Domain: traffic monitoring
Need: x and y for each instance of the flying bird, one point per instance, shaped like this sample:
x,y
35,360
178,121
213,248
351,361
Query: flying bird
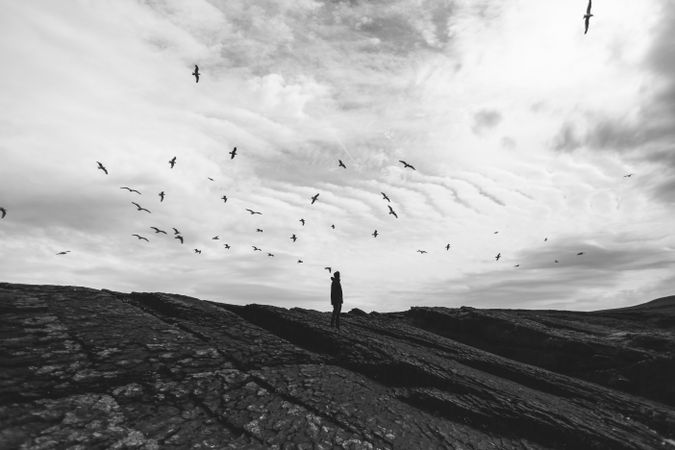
x,y
384,196
628,175
215,238
314,198
157,230
556,261
375,233
256,249
447,247
175,230
233,153
392,212
329,269
102,167
179,237
421,252
196,73
496,232
161,196
406,165
545,239
580,253
3,211
302,221
210,178
300,261
341,164
224,198
253,212
499,255
333,226
258,230
172,162
227,246
63,253
587,16
139,207
270,254
141,238
198,251
294,238
131,190
517,265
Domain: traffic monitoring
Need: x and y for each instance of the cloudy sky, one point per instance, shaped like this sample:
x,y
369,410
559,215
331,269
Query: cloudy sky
x,y
516,122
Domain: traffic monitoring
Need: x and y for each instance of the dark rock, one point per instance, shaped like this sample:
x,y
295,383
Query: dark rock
x,y
82,368
357,312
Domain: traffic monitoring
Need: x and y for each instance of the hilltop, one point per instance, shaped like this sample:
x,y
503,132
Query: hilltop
x,y
88,368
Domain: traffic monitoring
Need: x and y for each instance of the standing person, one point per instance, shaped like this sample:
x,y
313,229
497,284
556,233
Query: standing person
x,y
336,300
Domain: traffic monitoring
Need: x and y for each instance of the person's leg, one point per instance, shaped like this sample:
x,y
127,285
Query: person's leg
x,y
332,318
338,308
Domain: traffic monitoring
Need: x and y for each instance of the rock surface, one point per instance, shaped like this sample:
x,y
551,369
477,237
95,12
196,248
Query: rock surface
x,y
83,368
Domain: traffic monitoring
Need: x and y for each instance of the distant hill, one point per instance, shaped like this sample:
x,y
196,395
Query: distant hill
x,y
86,368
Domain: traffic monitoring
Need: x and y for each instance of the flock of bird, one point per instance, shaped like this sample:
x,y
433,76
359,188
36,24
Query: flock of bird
x,y
313,199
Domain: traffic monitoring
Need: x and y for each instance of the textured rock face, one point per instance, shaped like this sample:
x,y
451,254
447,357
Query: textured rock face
x,y
81,368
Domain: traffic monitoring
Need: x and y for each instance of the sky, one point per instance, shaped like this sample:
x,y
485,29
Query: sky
x,y
521,130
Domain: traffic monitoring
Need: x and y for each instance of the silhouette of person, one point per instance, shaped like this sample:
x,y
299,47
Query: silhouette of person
x,y
336,300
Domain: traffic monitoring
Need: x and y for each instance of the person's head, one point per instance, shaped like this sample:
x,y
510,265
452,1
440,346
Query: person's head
x,y
336,275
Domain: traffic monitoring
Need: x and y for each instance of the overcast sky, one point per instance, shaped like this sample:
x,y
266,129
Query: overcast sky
x,y
516,122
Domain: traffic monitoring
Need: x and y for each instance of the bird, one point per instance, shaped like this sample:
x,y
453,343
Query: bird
x,y
253,212
3,211
141,238
198,251
496,232
196,73
384,196
421,252
258,230
545,239
333,226
341,164
406,165
161,196
63,253
270,254
329,269
447,247
215,238
172,162
517,265
628,175
175,230
587,16
102,167
392,212
140,208
499,255
224,198
233,153
210,178
157,230
131,190
375,233
300,261
314,198
227,246
556,261
179,237
580,253
294,238
302,221
256,249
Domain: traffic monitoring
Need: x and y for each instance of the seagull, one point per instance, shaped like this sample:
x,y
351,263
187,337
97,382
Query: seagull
x,y
628,175
253,212
130,190
333,226
210,178
329,269
341,164
406,165
447,247
314,198
141,238
556,261
496,232
270,254
233,153
499,255
256,249
227,246
375,233
224,198
580,253
175,230
63,253
300,261
179,237
157,230
517,265
587,16
294,238
215,238
161,196
3,211
196,73
392,212
384,196
198,251
421,252
102,167
303,222
258,230
545,239
139,207
172,162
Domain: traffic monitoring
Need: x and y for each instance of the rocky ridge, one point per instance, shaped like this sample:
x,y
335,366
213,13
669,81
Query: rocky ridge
x,y
85,368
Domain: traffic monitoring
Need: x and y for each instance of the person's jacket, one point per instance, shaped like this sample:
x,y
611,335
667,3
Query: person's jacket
x,y
335,292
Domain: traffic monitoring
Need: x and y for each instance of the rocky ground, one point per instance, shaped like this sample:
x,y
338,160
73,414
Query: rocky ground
x,y
83,368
